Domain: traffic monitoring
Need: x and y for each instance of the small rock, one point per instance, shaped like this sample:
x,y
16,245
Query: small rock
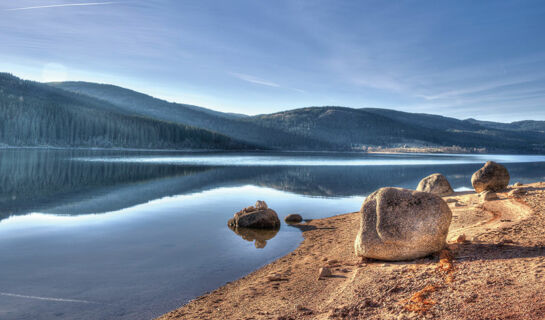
x,y
461,238
324,272
488,195
324,259
518,184
517,192
452,200
274,277
293,218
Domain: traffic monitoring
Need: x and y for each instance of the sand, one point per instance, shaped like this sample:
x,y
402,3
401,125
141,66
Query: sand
x,y
498,273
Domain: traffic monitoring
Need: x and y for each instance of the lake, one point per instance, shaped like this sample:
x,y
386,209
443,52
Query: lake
x,y
96,234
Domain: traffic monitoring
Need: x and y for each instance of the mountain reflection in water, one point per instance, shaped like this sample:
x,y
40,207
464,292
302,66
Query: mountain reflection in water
x,y
55,181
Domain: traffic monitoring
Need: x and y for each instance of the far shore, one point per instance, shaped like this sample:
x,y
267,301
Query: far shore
x,y
498,272
416,150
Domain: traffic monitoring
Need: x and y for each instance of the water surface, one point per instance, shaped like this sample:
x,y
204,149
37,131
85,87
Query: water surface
x,y
131,235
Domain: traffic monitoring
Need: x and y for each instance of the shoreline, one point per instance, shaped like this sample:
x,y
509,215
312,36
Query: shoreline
x,y
498,273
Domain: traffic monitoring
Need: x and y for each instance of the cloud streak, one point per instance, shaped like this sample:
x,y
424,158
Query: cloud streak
x,y
254,80
62,5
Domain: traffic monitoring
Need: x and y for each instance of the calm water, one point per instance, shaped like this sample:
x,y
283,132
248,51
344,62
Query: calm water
x,y
131,235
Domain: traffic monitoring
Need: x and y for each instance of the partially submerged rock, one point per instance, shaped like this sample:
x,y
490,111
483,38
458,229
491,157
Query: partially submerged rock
x,y
401,224
492,177
436,184
293,218
254,217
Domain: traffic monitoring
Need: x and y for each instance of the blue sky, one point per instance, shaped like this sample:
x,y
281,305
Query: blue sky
x,y
481,59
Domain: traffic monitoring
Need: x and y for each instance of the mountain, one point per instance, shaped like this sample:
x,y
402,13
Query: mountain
x,y
347,128
525,125
322,128
90,114
236,126
36,114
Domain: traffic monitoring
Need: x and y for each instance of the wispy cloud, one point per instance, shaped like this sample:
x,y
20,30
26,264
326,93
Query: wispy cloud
x,y
62,5
252,79
256,80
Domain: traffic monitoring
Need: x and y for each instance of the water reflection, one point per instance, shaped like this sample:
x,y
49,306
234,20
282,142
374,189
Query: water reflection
x,y
260,236
141,238
54,181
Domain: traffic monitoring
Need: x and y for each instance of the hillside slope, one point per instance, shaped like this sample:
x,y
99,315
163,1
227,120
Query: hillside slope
x,y
321,128
236,126
35,114
525,125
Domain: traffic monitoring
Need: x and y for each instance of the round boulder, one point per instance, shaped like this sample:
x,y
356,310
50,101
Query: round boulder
x,y
401,224
491,177
255,217
293,218
436,184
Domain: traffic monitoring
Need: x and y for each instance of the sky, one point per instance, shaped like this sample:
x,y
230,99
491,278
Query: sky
x,y
479,59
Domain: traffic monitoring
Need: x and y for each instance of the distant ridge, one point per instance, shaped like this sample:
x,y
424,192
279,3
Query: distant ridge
x,y
36,114
90,114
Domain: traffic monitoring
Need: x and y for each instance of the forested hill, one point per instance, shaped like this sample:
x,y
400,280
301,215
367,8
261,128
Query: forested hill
x,y
36,114
359,128
526,125
236,126
97,115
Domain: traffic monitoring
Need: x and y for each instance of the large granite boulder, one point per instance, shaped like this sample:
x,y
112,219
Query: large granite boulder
x,y
401,224
436,184
491,177
258,216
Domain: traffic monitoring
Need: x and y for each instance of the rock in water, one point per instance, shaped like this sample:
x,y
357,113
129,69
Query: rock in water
x,y
293,218
401,224
492,177
255,217
436,184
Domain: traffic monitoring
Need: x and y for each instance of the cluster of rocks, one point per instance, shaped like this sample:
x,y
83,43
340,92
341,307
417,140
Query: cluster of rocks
x,y
396,223
402,224
260,216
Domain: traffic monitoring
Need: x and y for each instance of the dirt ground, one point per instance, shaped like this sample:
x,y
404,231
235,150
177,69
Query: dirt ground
x,y
497,273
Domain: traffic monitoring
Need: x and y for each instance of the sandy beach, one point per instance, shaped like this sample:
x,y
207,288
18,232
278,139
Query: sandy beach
x,y
498,272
